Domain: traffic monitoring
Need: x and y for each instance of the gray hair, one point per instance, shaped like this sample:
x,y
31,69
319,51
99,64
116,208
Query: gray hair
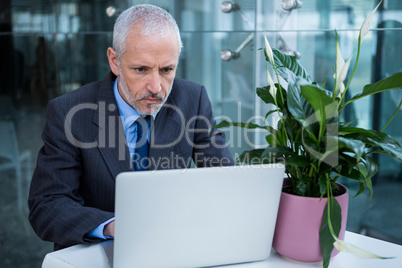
x,y
149,18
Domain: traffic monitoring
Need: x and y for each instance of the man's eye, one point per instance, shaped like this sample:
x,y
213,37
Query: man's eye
x,y
140,69
167,70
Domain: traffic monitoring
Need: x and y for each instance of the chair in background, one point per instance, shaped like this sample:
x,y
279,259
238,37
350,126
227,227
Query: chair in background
x,y
10,157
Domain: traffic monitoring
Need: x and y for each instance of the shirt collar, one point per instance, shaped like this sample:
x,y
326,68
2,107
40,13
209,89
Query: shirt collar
x,y
127,113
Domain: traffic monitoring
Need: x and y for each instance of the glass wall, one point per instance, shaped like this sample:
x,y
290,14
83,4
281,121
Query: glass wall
x,y
52,47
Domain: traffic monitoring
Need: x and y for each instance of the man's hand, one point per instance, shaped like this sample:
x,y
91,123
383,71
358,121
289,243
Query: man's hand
x,y
109,229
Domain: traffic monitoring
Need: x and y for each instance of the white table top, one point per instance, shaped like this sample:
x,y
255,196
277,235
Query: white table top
x,y
88,256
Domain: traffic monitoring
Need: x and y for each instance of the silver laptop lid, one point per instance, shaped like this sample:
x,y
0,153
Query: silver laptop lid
x,y
196,217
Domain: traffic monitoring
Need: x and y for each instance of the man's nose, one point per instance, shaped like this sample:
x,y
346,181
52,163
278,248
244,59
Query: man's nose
x,y
154,83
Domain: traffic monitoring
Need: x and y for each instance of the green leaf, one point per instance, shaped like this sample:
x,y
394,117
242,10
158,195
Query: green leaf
x,y
295,160
225,123
389,149
347,167
393,116
318,97
326,238
281,96
291,158
289,67
361,188
280,154
324,106
277,151
310,142
308,132
269,113
367,180
372,169
373,138
369,185
322,181
303,185
364,135
392,82
297,105
263,93
356,146
271,139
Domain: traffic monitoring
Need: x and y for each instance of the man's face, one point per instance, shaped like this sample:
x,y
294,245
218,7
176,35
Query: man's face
x,y
146,70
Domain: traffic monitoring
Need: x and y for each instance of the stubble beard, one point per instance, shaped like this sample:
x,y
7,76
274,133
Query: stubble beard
x,y
155,107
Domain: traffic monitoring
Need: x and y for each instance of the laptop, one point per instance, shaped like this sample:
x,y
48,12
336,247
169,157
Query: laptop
x,y
195,217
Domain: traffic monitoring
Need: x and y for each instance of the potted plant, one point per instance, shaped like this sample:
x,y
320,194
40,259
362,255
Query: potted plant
x,y
313,140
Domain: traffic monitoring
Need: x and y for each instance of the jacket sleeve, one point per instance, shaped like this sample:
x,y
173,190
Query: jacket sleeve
x,y
210,148
57,209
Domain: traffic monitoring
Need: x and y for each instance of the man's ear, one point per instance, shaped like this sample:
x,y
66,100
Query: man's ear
x,y
113,61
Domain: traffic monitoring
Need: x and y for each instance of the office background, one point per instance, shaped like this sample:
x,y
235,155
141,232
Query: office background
x,y
51,47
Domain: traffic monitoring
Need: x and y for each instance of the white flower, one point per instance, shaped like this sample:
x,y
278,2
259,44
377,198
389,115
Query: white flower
x,y
341,90
342,76
269,50
366,24
341,69
339,60
358,252
344,71
272,87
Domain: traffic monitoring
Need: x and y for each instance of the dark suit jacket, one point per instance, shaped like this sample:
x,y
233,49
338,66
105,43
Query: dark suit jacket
x,y
73,186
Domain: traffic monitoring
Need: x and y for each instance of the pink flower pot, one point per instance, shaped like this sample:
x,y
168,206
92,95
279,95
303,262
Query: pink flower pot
x,y
298,224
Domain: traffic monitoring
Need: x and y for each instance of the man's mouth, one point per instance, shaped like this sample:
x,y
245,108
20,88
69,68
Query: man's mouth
x,y
151,100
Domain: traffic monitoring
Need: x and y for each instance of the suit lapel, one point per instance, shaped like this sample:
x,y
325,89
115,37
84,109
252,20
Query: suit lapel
x,y
166,133
111,138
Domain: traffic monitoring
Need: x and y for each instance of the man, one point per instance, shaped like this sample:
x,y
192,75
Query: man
x,y
92,134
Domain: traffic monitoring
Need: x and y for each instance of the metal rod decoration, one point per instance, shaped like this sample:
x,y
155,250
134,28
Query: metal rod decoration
x,y
289,5
284,48
245,42
228,6
113,11
227,54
